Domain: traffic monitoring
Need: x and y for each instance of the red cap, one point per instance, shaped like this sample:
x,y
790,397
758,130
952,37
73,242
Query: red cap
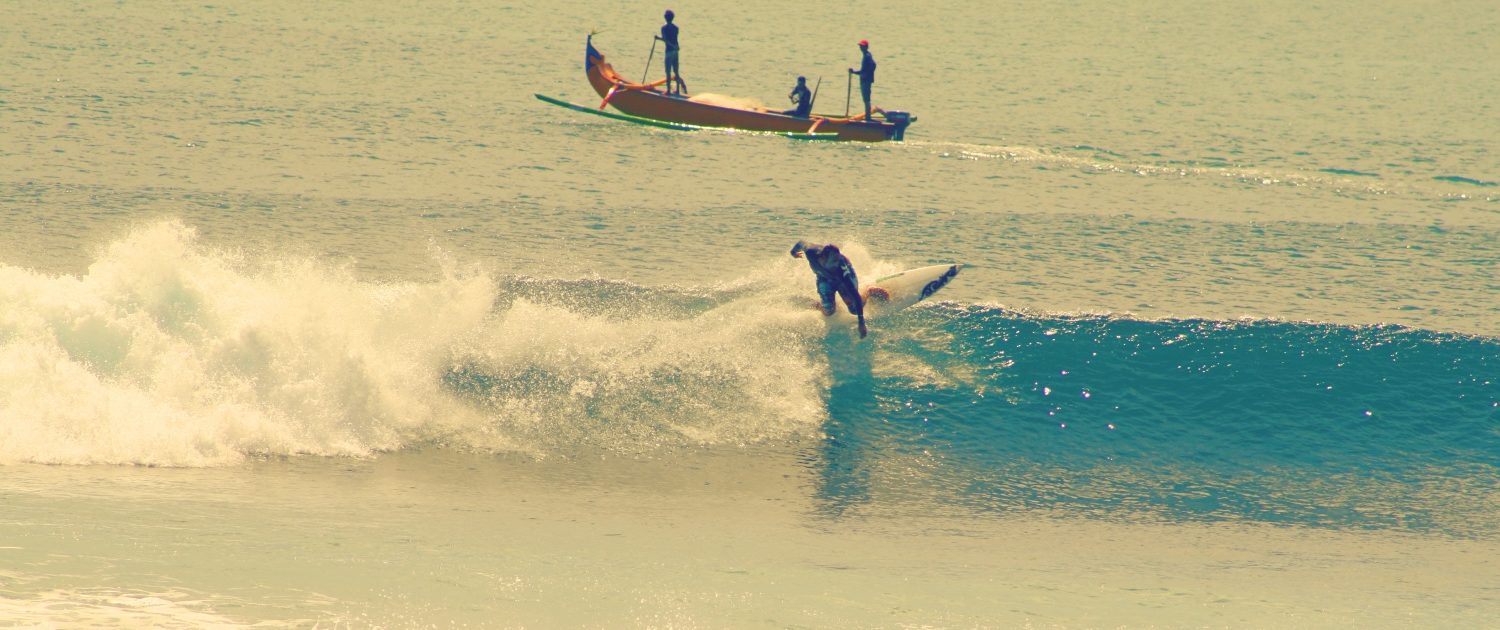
x,y
864,42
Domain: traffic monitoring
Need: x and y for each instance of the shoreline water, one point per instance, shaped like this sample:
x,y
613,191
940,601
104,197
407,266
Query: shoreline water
x,y
706,537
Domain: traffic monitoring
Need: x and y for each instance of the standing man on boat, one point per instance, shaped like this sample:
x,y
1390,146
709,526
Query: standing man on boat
x,y
802,98
835,275
669,35
866,74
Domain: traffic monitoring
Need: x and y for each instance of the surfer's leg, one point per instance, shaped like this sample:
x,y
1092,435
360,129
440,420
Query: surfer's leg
x,y
855,305
825,293
852,301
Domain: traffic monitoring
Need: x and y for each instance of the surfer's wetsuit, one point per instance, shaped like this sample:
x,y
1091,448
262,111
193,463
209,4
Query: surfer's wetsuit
x,y
835,275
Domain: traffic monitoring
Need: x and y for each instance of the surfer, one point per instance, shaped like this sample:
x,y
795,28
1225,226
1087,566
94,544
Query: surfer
x,y
802,98
669,35
866,74
835,275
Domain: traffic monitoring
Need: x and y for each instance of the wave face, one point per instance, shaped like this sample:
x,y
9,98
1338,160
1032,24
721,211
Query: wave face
x,y
1274,421
168,352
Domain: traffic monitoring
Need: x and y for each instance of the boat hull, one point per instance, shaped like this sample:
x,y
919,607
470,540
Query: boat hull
x,y
794,135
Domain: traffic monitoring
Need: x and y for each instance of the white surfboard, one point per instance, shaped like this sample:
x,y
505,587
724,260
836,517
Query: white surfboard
x,y
906,288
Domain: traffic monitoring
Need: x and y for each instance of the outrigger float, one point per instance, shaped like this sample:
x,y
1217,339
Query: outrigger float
x,y
647,104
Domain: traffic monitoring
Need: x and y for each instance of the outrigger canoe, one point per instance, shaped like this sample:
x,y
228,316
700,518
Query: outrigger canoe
x,y
661,124
648,101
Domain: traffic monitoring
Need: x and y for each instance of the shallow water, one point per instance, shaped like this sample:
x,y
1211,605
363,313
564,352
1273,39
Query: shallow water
x,y
313,315
430,538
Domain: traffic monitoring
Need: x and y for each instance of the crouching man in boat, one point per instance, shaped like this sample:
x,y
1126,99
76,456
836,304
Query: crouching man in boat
x,y
802,98
836,275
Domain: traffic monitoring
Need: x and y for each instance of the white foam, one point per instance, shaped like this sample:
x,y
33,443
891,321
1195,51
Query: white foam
x,y
100,608
738,373
169,352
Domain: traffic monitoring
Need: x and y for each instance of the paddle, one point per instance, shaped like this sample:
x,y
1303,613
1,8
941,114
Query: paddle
x,y
848,94
647,71
814,98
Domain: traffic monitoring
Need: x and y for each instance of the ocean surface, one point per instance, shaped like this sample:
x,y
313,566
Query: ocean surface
x,y
312,316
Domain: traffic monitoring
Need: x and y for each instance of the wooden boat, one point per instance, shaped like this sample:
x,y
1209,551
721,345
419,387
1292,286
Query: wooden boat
x,y
647,100
661,124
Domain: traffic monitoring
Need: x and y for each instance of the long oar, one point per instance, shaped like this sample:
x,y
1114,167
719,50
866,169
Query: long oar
x,y
848,94
814,98
649,57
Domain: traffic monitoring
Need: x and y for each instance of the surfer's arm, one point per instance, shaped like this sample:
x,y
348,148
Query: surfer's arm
x,y
804,247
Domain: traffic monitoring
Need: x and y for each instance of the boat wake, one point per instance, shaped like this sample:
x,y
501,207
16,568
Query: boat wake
x,y
1099,160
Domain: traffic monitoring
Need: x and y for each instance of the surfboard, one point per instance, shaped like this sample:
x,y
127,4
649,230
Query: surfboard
x,y
889,294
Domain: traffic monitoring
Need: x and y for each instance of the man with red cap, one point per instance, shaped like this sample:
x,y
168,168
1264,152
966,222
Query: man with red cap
x,y
866,74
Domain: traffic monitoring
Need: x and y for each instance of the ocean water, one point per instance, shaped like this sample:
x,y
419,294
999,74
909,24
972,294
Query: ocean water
x,y
312,316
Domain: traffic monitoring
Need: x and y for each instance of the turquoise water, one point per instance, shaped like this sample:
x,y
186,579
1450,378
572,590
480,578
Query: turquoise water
x,y
314,315
1297,424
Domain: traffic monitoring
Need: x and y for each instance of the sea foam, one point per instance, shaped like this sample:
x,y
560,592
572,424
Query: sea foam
x,y
168,351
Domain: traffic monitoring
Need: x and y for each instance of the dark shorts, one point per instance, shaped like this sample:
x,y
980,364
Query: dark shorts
x,y
850,295
671,62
